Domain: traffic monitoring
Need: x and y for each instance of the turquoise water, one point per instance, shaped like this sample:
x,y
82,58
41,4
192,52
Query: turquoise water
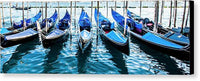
x,y
99,58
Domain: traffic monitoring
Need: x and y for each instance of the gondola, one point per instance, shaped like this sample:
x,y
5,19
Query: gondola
x,y
107,32
20,8
150,38
85,34
61,30
164,33
29,22
26,35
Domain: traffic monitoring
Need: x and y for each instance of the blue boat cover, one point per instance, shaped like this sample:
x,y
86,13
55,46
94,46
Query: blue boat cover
x,y
85,34
178,37
64,22
84,20
130,22
52,19
55,32
116,37
4,30
155,39
26,33
29,22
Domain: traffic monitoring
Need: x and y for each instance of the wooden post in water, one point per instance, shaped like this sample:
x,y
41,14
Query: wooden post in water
x,y
24,21
170,18
186,21
156,16
175,12
183,17
42,9
91,10
2,13
140,8
124,7
115,5
46,15
75,14
10,14
125,16
0,20
162,10
107,9
97,25
71,17
58,11
27,10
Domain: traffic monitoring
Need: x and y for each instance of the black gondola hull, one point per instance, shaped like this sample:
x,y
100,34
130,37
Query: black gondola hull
x,y
122,47
8,43
179,53
49,42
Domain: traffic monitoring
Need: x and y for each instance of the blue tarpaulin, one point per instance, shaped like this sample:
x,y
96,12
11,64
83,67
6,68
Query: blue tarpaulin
x,y
153,38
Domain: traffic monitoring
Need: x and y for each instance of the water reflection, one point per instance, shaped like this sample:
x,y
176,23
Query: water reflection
x,y
20,51
83,59
165,62
52,55
117,57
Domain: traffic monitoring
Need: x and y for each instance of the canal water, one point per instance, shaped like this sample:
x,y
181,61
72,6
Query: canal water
x,y
99,58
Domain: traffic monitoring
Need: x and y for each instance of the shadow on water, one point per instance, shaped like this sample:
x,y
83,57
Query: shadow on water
x,y
53,54
161,58
117,57
20,51
83,59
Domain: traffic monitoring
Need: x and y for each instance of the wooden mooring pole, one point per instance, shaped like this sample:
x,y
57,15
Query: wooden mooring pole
x,y
183,17
2,12
107,9
170,18
188,12
10,14
24,21
140,8
162,10
91,10
125,16
115,5
175,12
156,17
27,10
0,20
46,16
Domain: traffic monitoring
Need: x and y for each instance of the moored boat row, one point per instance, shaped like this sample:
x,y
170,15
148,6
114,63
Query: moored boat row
x,y
49,33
